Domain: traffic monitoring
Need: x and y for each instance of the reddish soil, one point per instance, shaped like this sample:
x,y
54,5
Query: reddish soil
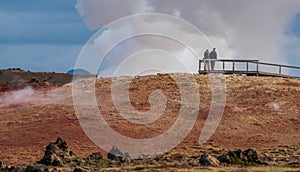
x,y
260,112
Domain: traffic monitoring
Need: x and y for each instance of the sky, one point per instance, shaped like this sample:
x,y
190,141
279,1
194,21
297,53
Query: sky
x,y
48,35
42,35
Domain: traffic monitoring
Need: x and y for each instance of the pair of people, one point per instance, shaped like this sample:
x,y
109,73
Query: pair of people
x,y
208,56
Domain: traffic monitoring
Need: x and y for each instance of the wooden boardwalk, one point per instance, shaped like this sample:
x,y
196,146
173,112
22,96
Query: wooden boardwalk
x,y
249,68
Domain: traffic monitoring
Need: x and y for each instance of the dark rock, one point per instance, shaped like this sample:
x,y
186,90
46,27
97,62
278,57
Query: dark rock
x,y
127,156
77,169
224,159
20,170
177,157
71,153
34,80
57,154
236,157
37,168
78,161
247,157
116,154
61,144
208,160
95,156
236,154
251,155
12,169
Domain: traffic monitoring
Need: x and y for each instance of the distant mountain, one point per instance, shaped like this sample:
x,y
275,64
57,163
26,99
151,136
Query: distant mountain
x,y
78,71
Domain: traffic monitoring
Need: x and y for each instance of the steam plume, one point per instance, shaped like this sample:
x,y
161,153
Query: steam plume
x,y
239,29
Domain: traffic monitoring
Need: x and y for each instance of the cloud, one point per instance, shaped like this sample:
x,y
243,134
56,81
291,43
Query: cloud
x,y
239,29
100,13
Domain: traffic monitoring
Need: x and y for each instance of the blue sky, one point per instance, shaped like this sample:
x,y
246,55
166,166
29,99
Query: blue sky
x,y
47,35
42,35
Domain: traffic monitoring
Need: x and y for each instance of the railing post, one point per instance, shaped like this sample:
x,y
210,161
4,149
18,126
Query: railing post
x,y
199,66
223,66
233,66
257,68
247,66
279,70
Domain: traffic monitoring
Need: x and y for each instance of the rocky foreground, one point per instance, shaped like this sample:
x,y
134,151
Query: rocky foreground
x,y
58,157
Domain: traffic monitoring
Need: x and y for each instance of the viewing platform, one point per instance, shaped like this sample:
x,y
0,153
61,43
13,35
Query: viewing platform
x,y
248,68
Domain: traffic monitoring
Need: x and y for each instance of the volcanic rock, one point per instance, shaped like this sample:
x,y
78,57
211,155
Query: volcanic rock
x,y
57,154
208,160
117,155
247,157
95,156
225,158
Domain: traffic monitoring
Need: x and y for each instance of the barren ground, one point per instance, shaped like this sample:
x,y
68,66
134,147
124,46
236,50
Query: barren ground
x,y
260,113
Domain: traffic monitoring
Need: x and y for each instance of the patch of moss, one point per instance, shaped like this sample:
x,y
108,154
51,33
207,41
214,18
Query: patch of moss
x,y
237,161
103,163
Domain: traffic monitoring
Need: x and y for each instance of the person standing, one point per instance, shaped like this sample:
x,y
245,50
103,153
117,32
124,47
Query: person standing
x,y
206,59
213,56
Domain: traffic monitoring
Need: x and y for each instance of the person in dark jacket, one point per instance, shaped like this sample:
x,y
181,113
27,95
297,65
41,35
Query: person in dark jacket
x,y
205,58
213,56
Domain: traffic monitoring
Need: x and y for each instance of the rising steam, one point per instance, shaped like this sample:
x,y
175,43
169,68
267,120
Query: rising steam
x,y
239,29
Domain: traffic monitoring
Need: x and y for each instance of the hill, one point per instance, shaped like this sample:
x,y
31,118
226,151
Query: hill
x,y
78,71
260,112
16,78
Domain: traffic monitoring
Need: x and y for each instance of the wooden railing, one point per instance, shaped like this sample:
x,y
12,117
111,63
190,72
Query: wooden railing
x,y
257,68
